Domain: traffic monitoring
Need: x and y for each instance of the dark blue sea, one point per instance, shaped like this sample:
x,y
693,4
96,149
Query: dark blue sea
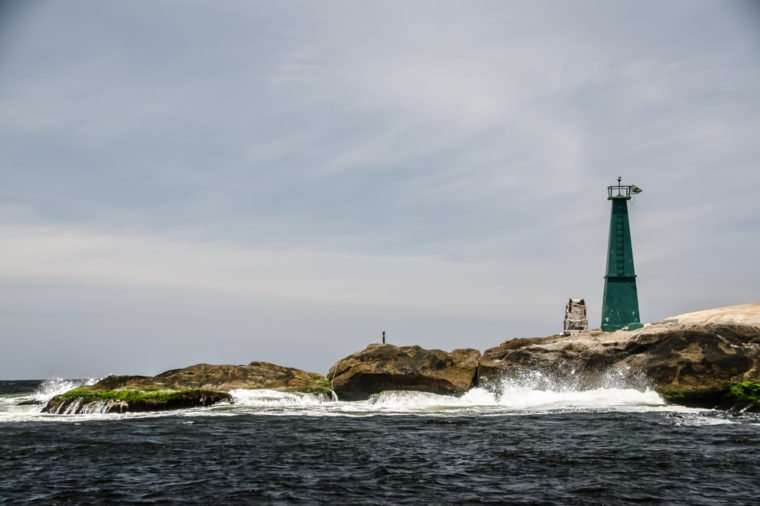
x,y
608,446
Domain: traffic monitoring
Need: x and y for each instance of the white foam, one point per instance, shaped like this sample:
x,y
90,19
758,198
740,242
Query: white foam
x,y
11,411
274,398
528,395
523,396
518,397
56,386
510,399
699,420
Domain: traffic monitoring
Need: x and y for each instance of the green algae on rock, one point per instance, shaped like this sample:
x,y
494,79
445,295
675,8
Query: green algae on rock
x,y
746,393
742,396
696,397
194,386
91,399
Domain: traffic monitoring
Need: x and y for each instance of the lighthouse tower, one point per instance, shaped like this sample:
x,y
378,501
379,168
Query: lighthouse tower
x,y
621,302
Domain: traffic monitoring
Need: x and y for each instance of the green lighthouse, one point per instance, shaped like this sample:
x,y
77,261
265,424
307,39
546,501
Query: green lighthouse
x,y
621,302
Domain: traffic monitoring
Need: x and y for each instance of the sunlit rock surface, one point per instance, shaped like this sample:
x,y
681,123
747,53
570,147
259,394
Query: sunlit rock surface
x,y
691,359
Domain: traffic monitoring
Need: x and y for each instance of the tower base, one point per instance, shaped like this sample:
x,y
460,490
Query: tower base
x,y
621,303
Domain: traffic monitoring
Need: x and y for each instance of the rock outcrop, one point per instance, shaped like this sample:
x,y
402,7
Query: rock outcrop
x,y
693,359
97,400
255,375
382,367
197,385
708,359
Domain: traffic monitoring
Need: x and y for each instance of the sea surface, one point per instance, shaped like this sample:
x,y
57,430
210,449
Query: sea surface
x,y
520,446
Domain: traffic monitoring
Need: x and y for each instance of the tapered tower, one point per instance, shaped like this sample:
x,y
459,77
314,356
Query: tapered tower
x,y
621,302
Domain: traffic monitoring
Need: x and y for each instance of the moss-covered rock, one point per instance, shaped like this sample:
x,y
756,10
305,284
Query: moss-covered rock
x,y
741,396
196,385
94,399
709,397
745,395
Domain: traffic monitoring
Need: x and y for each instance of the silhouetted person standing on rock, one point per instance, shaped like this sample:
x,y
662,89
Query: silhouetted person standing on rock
x,y
383,337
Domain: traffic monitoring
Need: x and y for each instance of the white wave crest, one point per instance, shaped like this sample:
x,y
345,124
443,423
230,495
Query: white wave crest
x,y
530,394
522,398
536,390
275,398
55,386
514,397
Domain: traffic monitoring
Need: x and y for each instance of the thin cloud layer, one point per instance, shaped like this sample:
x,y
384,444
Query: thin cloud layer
x,y
304,175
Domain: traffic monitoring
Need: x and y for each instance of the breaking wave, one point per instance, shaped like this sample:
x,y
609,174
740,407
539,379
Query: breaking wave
x,y
530,394
27,404
274,398
52,387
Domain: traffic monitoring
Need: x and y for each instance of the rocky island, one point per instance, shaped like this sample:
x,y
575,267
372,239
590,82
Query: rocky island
x,y
197,385
703,359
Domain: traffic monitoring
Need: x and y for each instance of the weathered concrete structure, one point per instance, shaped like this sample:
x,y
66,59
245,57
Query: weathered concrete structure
x,y
576,320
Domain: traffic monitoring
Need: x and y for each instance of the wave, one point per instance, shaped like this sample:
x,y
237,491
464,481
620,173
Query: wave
x,y
528,394
56,386
275,398
612,390
516,399
532,394
28,405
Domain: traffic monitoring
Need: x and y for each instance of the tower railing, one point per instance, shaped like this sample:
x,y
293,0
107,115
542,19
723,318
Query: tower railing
x,y
622,191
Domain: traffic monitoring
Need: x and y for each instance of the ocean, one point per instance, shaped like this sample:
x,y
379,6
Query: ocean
x,y
606,446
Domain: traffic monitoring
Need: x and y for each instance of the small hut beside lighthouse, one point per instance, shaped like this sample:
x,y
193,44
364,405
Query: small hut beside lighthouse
x,y
576,320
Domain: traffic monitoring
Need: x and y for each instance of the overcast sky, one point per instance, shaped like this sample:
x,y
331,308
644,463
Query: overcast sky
x,y
228,181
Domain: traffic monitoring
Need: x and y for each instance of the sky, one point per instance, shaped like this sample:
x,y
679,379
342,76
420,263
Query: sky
x,y
222,182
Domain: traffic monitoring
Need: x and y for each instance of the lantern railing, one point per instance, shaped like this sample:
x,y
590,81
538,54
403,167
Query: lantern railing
x,y
622,191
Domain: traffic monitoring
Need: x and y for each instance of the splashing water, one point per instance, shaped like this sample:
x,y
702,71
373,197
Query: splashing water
x,y
530,394
56,386
27,405
274,398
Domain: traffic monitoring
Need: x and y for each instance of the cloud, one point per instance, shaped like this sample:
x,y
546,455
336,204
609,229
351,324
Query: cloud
x,y
438,161
288,276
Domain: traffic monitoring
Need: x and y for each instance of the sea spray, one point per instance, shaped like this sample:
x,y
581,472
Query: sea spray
x,y
56,386
275,398
528,394
515,397
531,393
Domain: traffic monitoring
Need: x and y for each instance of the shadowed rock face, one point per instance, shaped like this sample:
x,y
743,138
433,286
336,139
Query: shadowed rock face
x,y
690,359
382,367
194,386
